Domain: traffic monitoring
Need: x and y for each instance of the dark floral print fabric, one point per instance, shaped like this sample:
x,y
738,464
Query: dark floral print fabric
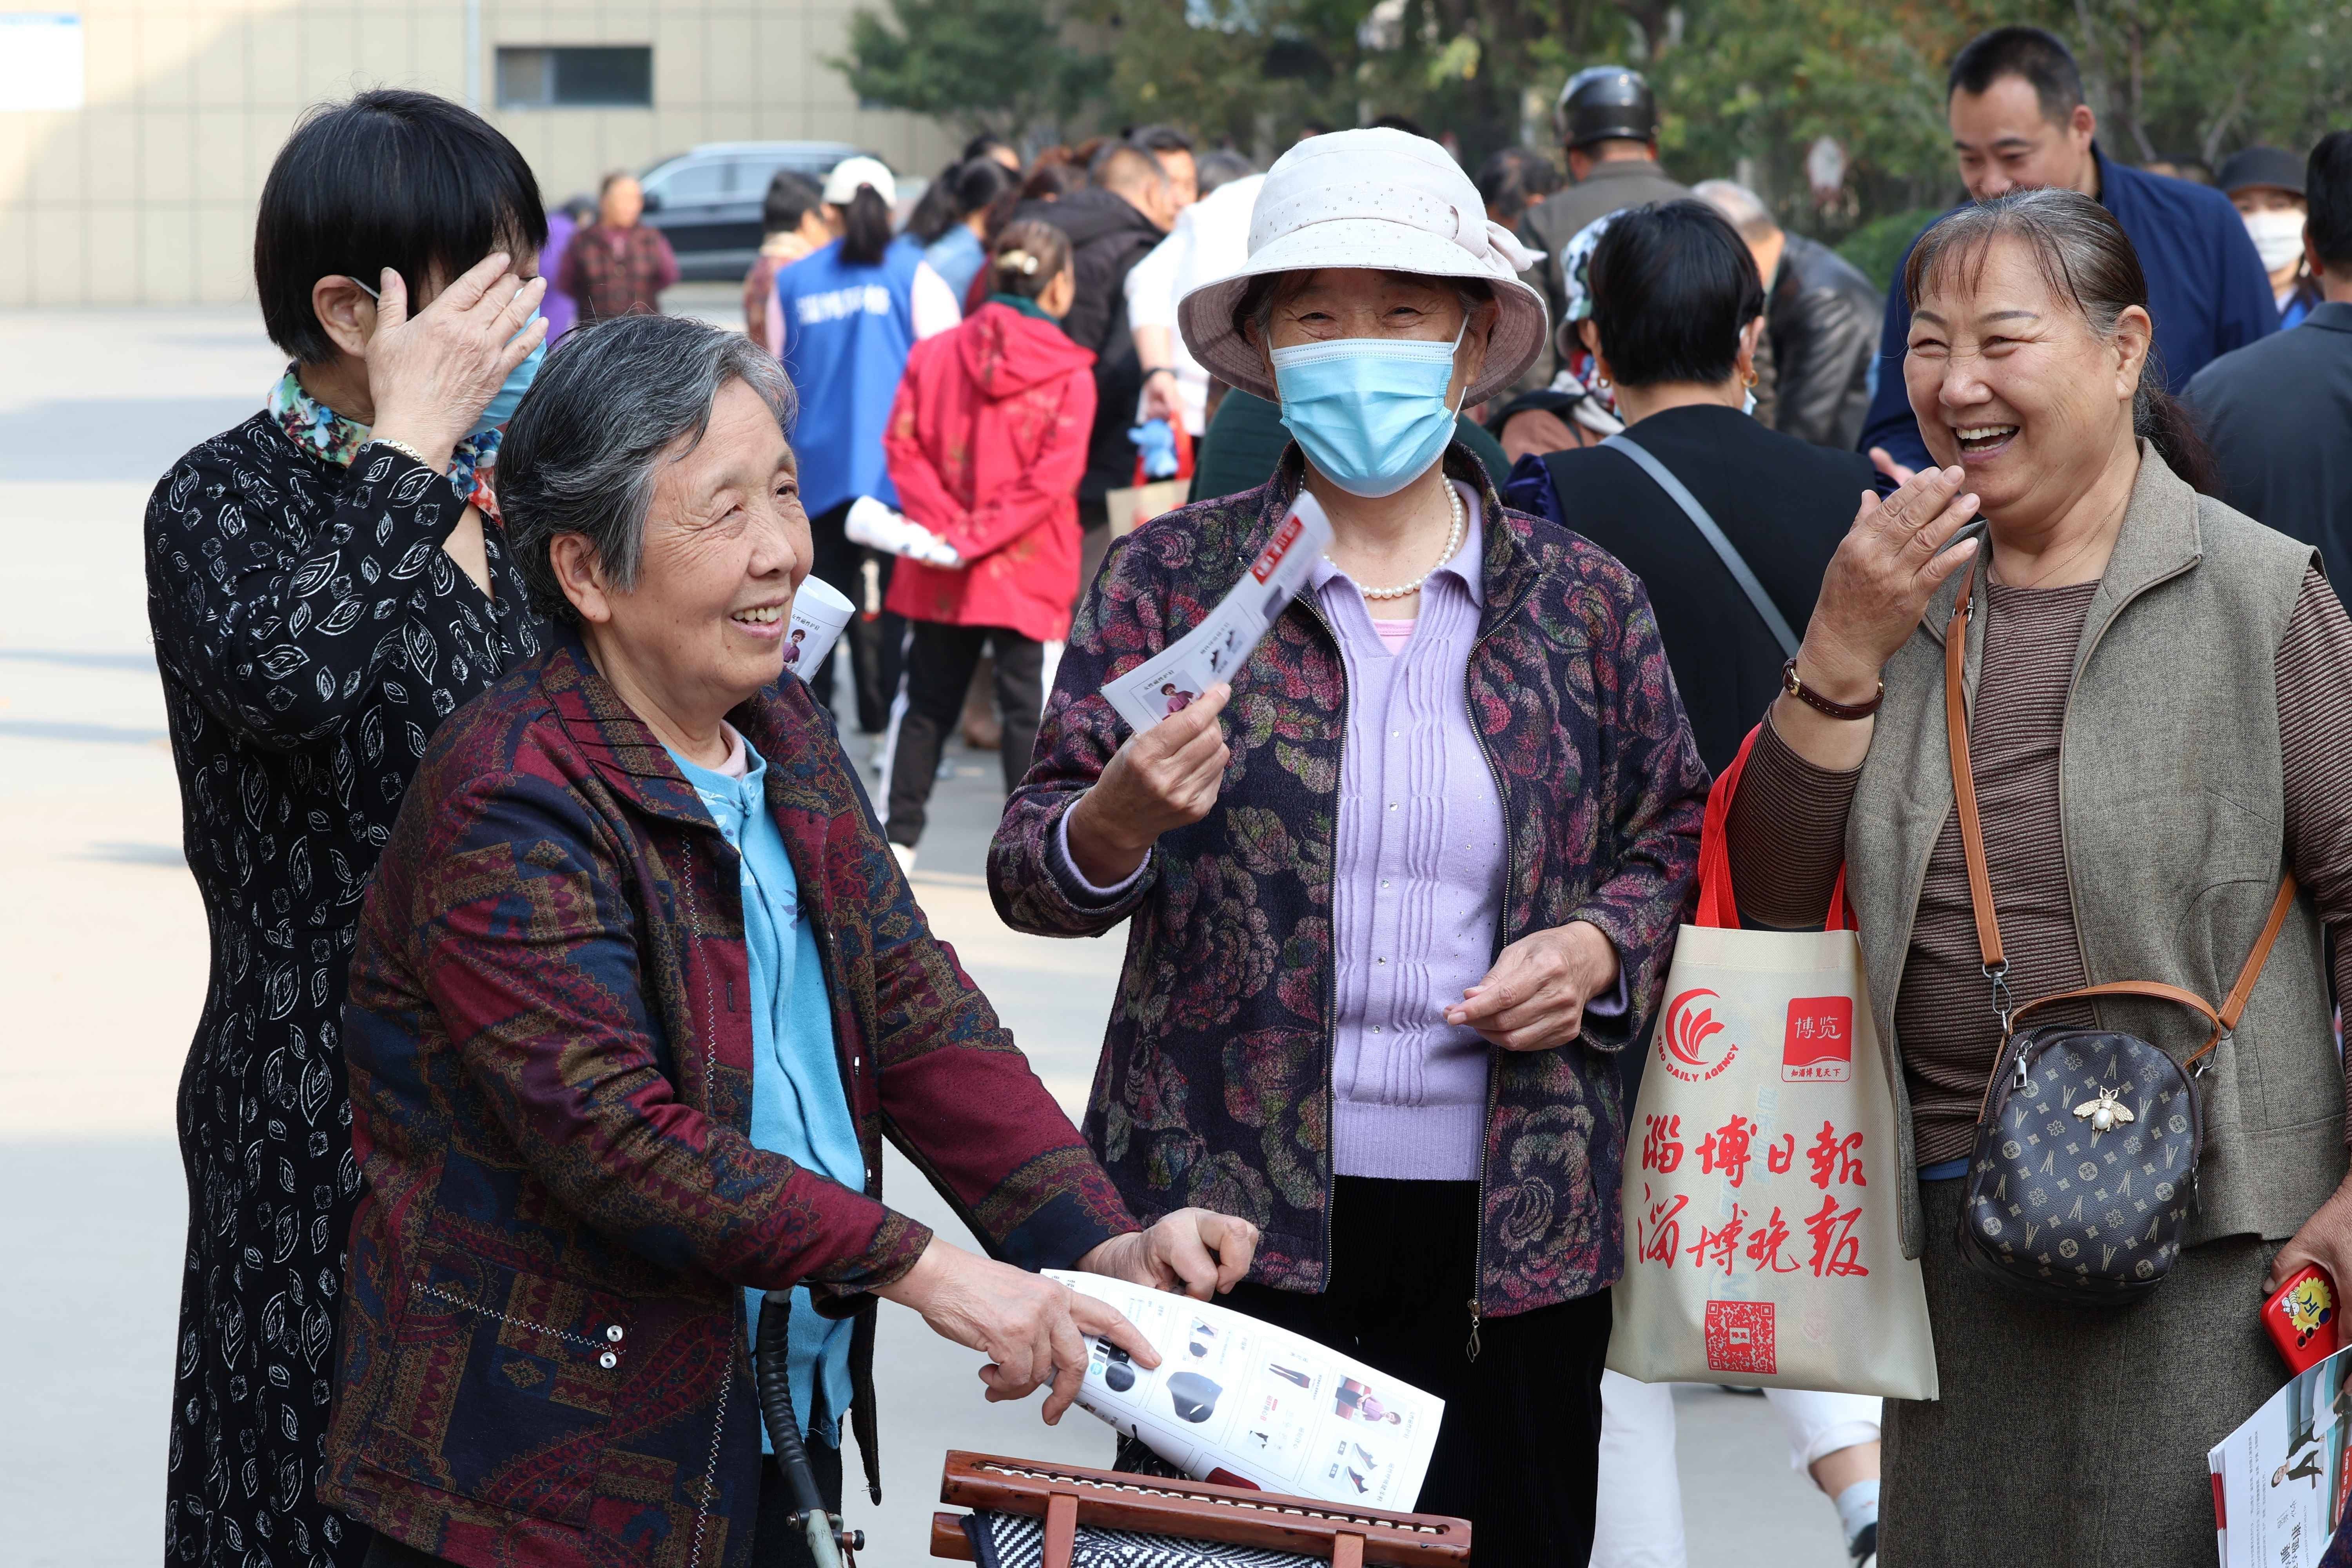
x,y
1214,1086
543,1349
311,633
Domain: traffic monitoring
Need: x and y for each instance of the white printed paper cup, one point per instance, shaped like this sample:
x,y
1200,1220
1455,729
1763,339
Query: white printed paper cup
x,y
819,613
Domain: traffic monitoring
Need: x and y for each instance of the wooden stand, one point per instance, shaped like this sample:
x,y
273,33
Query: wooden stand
x,y
1065,1497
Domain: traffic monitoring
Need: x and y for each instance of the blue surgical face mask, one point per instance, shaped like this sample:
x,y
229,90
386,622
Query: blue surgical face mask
x,y
1369,412
509,396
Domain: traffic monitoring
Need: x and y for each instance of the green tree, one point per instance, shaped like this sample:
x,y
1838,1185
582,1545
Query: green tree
x,y
999,66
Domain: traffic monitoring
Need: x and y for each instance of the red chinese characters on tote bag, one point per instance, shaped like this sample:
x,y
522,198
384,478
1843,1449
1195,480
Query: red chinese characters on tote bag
x,y
1763,1242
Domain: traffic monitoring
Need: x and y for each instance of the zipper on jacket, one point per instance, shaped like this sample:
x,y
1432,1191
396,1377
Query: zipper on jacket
x,y
1494,1065
1331,969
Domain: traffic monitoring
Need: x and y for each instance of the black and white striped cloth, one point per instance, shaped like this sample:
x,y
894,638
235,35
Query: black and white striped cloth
x,y
1017,1540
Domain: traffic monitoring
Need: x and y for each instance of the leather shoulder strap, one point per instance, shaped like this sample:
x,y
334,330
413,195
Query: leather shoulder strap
x,y
1727,552
1964,780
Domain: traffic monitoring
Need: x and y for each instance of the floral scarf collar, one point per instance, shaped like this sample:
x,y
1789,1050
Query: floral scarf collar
x,y
319,430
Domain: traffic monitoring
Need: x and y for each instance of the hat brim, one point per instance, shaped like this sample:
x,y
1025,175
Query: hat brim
x,y
1205,316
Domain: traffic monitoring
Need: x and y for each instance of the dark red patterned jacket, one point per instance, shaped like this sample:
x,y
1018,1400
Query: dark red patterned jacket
x,y
1215,1082
548,1038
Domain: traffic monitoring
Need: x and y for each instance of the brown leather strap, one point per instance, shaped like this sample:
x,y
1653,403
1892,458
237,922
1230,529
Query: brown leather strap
x,y
1964,781
1964,791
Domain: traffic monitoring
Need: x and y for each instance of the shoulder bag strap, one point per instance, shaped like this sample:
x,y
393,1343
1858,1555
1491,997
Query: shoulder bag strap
x,y
1996,966
1729,554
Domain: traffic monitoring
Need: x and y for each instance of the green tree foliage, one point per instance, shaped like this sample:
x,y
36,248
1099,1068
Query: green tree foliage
x,y
1747,86
1000,66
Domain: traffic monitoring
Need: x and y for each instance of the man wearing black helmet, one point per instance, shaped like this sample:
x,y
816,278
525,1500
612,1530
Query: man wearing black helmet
x,y
1608,121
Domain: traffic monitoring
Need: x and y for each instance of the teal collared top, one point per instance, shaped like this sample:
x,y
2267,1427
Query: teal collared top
x,y
799,1107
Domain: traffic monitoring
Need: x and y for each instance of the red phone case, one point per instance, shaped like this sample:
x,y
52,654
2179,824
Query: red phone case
x,y
2302,1317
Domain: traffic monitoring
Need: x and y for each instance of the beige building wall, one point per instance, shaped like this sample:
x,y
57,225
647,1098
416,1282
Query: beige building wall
x,y
146,194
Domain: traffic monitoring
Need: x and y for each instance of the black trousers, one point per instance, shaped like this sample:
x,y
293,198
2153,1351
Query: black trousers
x,y
875,638
1518,1453
774,1544
939,662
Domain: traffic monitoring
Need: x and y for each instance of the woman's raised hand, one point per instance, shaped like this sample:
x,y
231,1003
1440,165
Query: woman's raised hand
x,y
1031,1329
1889,567
1166,778
431,375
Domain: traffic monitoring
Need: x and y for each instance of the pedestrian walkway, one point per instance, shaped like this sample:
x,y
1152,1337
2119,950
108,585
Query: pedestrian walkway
x,y
103,962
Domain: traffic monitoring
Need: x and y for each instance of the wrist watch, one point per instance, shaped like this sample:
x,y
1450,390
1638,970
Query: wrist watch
x,y
1797,689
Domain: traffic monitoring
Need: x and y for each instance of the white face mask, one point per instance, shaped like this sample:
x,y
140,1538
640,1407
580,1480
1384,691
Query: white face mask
x,y
2277,235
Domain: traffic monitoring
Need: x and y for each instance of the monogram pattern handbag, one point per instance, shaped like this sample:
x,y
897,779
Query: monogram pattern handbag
x,y
2086,1162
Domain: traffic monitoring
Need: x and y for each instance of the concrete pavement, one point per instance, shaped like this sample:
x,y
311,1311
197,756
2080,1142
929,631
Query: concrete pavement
x,y
102,963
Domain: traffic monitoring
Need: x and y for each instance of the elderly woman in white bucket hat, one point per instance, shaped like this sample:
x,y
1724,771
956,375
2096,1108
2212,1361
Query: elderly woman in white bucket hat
x,y
1399,892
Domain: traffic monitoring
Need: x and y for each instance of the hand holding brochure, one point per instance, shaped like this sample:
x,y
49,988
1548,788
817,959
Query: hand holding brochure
x,y
1243,1403
1173,679
2280,1482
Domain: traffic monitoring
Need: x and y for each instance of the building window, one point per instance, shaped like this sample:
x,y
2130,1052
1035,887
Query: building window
x,y
600,78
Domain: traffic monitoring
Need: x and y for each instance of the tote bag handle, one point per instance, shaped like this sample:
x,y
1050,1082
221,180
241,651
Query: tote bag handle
x,y
1718,906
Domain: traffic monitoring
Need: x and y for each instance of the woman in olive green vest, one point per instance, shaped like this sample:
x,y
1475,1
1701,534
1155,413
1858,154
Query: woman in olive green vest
x,y
2159,713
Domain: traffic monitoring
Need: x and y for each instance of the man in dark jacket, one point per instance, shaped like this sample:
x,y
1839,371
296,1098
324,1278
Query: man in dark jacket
x,y
2279,413
2014,99
1112,224
1821,325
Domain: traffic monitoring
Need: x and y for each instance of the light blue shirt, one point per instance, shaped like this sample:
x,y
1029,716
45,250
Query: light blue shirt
x,y
799,1107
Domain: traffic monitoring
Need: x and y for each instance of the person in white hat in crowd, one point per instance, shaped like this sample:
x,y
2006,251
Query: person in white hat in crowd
x,y
1398,891
848,314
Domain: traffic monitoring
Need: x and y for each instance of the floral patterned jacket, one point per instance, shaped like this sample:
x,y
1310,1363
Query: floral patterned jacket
x,y
549,1036
1215,1082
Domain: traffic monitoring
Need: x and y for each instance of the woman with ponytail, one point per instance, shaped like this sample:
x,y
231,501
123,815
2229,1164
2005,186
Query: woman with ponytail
x,y
847,316
987,444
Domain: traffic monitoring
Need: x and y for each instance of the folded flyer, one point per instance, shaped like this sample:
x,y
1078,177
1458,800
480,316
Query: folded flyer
x,y
1173,679
1244,1403
2279,1481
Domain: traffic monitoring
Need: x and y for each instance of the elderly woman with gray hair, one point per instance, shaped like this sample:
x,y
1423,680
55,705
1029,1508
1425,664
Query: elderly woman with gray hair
x,y
639,991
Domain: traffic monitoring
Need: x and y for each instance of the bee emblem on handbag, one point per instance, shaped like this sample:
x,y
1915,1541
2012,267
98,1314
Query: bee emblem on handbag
x,y
2105,1114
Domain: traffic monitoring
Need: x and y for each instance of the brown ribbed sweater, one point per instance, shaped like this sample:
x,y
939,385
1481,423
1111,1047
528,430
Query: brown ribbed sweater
x,y
1787,832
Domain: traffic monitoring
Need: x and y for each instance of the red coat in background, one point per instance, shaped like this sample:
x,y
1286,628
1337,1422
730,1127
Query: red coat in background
x,y
986,445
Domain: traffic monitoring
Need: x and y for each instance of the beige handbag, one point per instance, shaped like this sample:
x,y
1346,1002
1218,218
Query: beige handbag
x,y
1763,1234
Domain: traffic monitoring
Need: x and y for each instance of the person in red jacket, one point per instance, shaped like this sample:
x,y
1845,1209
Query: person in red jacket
x,y
986,445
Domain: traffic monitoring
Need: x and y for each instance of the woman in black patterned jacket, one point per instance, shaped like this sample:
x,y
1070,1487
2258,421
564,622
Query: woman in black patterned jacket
x,y
326,582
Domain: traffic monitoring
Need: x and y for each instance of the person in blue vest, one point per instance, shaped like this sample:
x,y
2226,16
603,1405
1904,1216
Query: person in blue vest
x,y
2014,99
849,312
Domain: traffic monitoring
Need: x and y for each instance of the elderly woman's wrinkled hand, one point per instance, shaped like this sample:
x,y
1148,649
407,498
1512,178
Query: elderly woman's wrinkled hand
x,y
431,375
1533,998
1199,1252
1032,1329
1889,567
1166,778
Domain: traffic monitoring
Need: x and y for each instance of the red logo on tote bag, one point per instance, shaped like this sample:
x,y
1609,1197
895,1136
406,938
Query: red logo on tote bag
x,y
1739,1337
1820,1044
1690,1041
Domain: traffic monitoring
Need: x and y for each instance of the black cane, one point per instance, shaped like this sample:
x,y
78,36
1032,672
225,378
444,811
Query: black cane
x,y
829,1544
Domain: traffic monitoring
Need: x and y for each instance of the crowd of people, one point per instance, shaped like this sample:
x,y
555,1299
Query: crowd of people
x,y
567,974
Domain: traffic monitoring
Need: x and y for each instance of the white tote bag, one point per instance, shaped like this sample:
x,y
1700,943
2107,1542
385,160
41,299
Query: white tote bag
x,y
1763,1241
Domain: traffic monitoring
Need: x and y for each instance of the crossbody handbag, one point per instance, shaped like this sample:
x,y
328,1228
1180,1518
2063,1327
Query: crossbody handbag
x,y
2084,1168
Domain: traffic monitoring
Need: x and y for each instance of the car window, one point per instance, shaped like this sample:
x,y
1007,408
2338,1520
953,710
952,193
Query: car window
x,y
687,183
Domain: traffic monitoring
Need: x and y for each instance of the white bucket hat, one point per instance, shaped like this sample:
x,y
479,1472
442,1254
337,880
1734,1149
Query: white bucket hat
x,y
1375,198
841,185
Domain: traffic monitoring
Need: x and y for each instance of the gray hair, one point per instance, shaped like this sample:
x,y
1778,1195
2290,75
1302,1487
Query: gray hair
x,y
582,454
1741,207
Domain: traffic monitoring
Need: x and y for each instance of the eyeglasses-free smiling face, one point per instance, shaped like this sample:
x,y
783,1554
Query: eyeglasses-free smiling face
x,y
2010,381
726,548
1334,302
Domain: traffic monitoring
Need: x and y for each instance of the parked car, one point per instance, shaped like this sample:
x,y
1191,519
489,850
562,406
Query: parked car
x,y
707,201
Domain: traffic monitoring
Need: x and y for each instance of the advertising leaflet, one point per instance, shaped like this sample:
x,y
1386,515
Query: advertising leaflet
x,y
1244,1403
1173,679
2280,1482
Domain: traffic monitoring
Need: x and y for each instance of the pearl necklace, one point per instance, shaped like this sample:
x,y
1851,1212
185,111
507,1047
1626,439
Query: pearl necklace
x,y
1452,544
